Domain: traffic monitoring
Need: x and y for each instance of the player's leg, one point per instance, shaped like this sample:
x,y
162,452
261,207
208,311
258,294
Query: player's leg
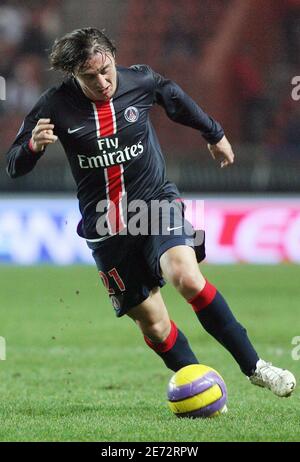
x,y
133,291
160,333
170,254
179,266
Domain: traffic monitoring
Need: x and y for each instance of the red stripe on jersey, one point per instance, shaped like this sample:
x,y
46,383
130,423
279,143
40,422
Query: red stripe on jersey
x,y
106,117
106,126
114,187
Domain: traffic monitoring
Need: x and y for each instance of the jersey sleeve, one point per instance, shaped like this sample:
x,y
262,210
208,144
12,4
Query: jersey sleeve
x,y
20,158
182,108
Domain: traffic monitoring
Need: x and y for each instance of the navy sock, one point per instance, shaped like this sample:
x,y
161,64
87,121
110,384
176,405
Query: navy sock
x,y
175,350
218,320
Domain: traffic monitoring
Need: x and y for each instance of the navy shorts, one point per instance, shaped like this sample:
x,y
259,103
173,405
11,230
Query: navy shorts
x,y
129,265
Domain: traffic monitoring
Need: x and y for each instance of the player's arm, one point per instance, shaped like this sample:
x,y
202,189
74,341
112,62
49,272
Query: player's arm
x,y
31,141
182,108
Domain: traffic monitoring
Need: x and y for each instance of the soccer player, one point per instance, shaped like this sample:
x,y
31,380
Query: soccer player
x,y
100,114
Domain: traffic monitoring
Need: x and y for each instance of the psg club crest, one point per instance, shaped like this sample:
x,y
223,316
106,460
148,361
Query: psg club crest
x,y
131,114
116,303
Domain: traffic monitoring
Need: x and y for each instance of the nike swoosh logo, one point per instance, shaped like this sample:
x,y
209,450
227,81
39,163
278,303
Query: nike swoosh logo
x,y
74,130
172,229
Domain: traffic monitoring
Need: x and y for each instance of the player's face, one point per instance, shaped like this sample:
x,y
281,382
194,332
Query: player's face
x,y
98,80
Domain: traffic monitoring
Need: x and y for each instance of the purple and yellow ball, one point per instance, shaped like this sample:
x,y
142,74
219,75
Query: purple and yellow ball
x,y
197,391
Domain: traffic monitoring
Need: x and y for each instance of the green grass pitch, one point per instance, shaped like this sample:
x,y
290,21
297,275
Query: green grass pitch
x,y
73,372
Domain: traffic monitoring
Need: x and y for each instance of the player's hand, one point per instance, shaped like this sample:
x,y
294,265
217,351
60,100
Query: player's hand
x,y
222,152
42,135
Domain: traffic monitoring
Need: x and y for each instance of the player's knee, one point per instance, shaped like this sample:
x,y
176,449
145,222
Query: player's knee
x,y
157,331
186,281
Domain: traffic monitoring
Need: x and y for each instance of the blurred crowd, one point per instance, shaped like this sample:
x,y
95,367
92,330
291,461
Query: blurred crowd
x,y
269,114
26,33
178,39
283,135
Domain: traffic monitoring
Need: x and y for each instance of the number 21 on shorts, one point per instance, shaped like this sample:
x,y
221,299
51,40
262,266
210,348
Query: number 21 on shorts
x,y
113,274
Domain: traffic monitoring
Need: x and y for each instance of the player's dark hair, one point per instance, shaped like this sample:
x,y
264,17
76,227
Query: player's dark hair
x,y
70,53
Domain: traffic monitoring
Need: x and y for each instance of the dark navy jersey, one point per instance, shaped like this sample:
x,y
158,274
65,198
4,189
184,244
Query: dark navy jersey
x,y
111,146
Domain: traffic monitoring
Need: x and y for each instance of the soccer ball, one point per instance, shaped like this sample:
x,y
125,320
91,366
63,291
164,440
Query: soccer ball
x,y
197,391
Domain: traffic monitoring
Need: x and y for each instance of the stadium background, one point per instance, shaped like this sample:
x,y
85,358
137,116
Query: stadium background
x,y
237,59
